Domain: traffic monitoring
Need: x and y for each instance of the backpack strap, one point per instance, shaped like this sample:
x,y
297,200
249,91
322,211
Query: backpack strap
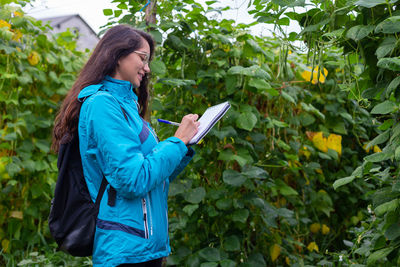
x,y
103,186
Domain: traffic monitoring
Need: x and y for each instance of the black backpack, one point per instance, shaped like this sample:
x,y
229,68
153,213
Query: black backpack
x,y
73,215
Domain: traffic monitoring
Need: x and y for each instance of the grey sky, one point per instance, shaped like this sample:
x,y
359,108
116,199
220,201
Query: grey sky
x,y
92,12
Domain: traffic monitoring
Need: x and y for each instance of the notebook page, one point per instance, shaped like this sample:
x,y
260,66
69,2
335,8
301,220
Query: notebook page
x,y
208,117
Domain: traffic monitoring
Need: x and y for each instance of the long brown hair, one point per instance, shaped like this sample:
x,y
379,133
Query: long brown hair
x,y
117,43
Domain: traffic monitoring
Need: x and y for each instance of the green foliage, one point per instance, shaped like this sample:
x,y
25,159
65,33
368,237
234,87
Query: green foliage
x,y
367,32
36,72
288,176
260,180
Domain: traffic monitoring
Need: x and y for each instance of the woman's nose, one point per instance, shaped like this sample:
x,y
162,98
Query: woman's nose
x,y
147,67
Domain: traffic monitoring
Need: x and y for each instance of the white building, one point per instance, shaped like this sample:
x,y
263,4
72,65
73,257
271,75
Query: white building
x,y
87,37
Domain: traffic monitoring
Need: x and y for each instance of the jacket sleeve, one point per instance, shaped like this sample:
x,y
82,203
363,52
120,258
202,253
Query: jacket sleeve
x,y
123,164
184,162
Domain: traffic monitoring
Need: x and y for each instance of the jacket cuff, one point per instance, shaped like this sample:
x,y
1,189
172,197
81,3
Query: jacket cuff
x,y
182,147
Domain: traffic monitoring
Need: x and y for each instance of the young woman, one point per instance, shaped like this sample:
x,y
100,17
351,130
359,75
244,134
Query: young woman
x,y
107,104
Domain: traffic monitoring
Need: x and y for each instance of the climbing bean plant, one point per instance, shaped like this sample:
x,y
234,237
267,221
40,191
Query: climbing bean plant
x,y
300,171
367,34
36,70
259,190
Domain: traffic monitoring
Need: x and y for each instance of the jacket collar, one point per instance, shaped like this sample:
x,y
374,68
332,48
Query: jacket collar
x,y
119,88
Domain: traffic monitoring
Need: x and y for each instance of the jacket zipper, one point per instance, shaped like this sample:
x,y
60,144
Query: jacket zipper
x,y
150,217
146,227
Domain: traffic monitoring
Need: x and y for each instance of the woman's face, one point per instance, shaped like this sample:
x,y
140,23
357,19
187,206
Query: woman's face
x,y
134,66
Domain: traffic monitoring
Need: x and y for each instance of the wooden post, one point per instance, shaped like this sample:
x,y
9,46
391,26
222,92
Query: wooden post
x,y
151,11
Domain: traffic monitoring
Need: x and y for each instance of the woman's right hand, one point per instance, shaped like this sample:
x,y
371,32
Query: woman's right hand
x,y
188,128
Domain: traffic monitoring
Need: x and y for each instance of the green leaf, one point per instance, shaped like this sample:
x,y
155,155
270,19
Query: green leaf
x,y
176,82
253,71
43,145
210,254
260,84
117,13
10,137
386,125
279,124
336,33
289,3
383,137
306,119
257,259
224,204
378,157
157,36
246,121
343,181
189,209
369,3
232,243
158,67
359,32
288,97
390,63
387,207
386,47
389,25
384,108
284,189
195,195
13,169
229,155
254,172
209,264
107,12
233,178
25,78
378,255
175,188
227,263
240,215
397,153
393,231
122,6
392,86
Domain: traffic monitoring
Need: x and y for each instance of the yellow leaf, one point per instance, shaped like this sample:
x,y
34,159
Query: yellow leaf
x,y
314,228
16,214
307,75
275,251
313,246
365,148
17,14
17,35
377,149
304,151
4,23
320,141
5,244
33,58
325,229
287,260
334,142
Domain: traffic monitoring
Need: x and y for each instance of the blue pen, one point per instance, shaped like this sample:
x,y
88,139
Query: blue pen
x,y
169,122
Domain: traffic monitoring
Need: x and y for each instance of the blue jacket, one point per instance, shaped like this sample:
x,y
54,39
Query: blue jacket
x,y
136,164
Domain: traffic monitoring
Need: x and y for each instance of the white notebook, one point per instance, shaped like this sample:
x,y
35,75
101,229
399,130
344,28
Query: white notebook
x,y
210,117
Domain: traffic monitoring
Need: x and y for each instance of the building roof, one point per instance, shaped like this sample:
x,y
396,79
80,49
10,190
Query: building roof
x,y
62,19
